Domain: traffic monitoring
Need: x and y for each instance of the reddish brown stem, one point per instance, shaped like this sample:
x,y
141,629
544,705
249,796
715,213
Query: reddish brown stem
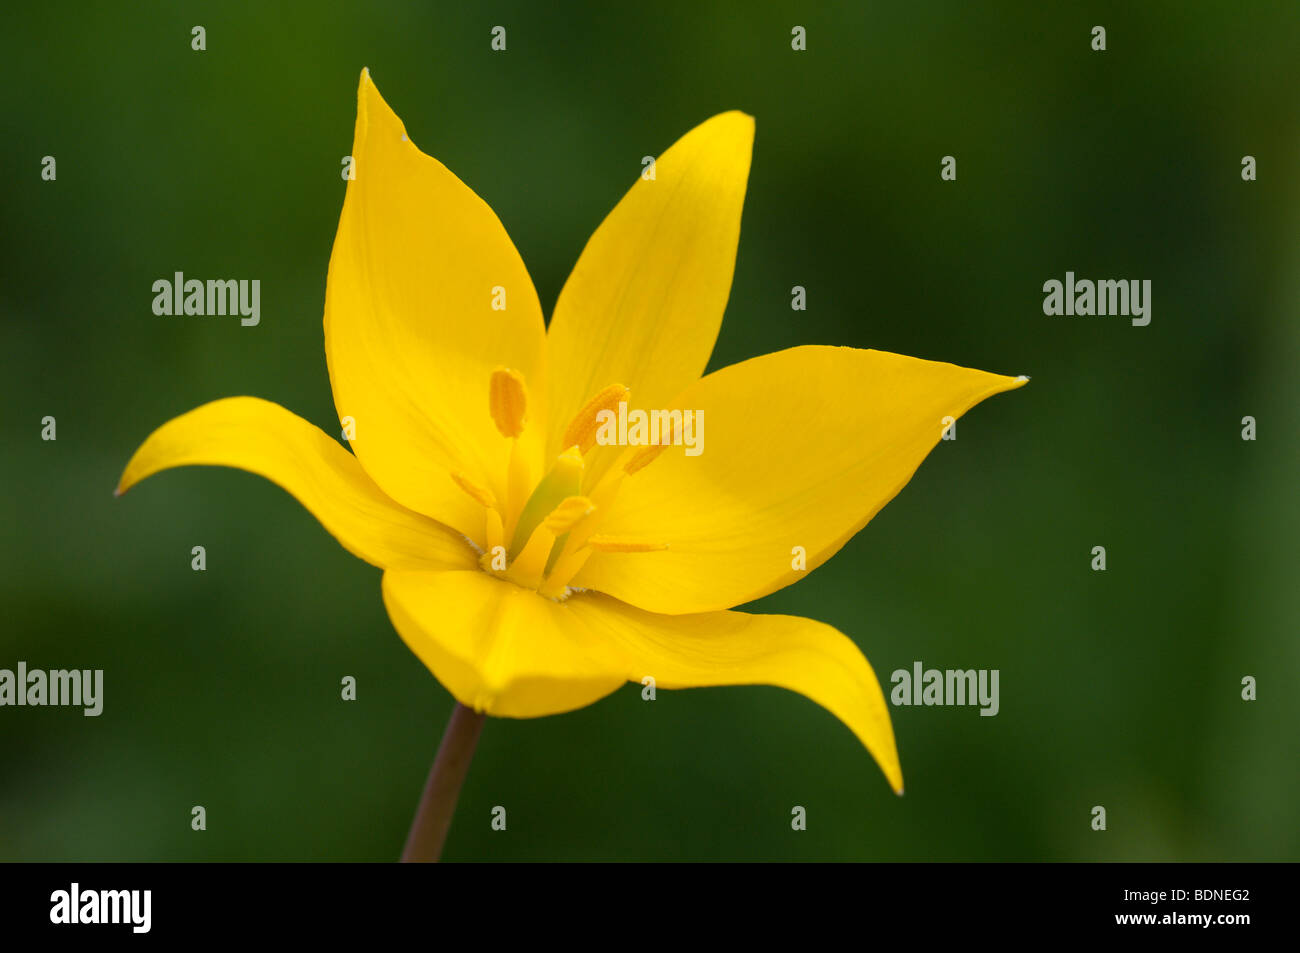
x,y
441,791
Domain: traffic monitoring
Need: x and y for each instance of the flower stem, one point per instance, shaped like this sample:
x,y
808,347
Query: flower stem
x,y
438,803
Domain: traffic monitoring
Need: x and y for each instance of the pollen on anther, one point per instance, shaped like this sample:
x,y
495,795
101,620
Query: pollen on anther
x,y
582,429
568,514
480,493
643,457
621,544
508,401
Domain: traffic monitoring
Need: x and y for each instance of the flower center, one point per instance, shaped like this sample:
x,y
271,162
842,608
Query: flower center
x,y
540,535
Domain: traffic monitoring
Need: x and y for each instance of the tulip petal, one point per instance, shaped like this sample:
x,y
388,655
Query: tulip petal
x,y
801,449
644,302
411,333
510,652
498,647
264,438
739,648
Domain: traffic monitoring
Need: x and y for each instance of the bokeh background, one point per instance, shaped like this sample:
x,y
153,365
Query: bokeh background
x,y
1118,688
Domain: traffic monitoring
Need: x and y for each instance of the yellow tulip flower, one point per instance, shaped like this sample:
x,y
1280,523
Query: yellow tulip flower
x,y
533,569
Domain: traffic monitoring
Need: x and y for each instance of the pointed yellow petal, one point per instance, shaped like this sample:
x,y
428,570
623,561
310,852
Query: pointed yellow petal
x,y
500,648
602,543
801,448
645,300
411,331
737,648
510,652
264,438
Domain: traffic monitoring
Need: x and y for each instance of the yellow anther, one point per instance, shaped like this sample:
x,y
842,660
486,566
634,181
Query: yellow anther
x,y
643,457
480,493
582,430
508,401
622,544
568,515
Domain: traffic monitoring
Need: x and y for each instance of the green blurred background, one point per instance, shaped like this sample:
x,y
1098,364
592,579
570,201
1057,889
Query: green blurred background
x,y
1119,688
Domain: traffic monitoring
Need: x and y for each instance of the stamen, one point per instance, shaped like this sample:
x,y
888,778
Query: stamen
x,y
623,544
519,481
568,515
553,532
582,430
481,494
574,556
602,497
643,457
508,401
